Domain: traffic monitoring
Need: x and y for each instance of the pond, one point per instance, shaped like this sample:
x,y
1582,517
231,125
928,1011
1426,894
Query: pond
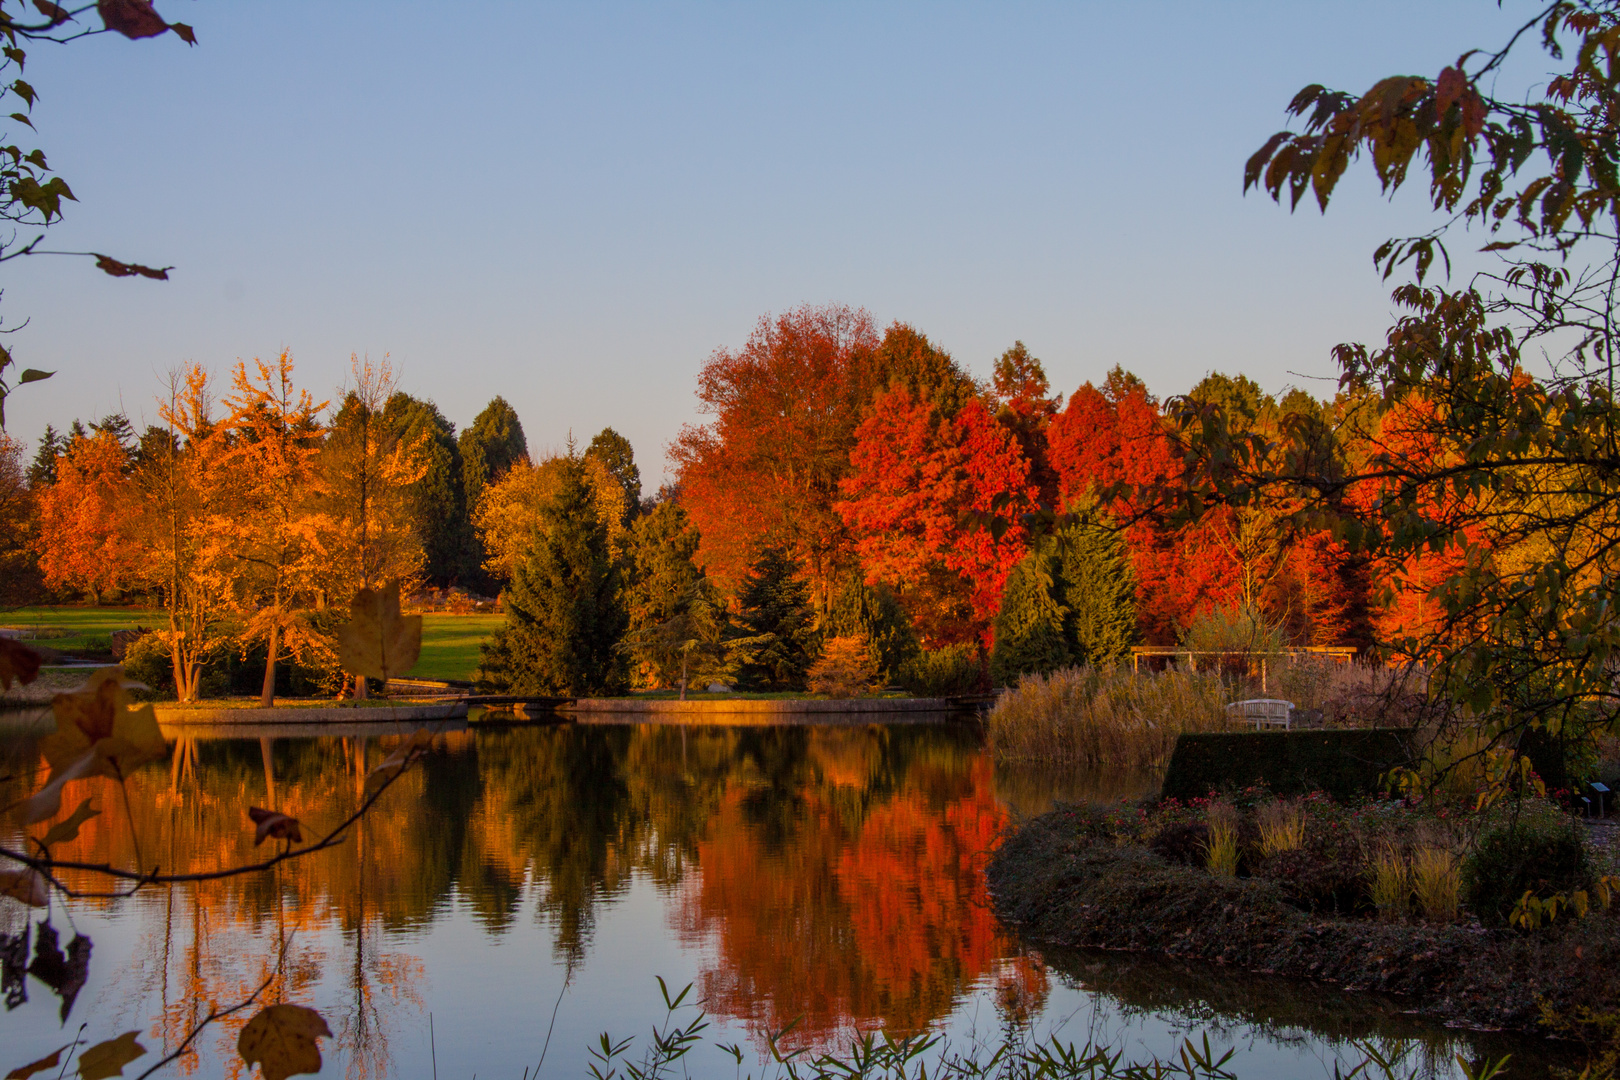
x,y
529,881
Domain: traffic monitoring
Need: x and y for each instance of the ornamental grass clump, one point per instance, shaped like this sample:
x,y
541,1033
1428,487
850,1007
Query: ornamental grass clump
x,y
1221,851
1104,716
1390,882
1437,882
1282,827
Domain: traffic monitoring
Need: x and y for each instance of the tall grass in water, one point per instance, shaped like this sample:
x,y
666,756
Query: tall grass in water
x,y
1105,716
1222,851
1282,827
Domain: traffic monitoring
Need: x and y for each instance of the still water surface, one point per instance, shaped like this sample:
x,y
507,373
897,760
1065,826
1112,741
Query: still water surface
x,y
534,880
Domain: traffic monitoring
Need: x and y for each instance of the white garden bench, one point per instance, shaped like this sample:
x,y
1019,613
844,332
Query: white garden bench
x,y
1263,712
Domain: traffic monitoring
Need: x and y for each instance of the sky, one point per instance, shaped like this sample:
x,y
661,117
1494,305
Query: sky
x,y
573,205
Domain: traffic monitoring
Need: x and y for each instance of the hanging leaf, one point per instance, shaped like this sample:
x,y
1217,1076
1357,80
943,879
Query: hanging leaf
x,y
378,642
281,1040
184,33
124,269
271,823
33,375
57,14
25,884
395,763
109,1058
64,974
68,828
98,718
23,1072
132,18
18,663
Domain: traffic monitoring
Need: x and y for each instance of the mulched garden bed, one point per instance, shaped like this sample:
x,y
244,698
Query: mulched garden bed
x,y
1071,878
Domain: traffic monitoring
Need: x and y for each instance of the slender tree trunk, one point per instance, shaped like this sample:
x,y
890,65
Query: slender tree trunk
x,y
267,696
683,675
177,658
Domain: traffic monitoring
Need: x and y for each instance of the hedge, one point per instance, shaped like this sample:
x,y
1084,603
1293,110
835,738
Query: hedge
x,y
1345,764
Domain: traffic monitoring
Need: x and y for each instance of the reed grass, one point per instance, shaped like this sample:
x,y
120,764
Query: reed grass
x,y
1105,716
1390,880
1282,827
1437,882
1222,850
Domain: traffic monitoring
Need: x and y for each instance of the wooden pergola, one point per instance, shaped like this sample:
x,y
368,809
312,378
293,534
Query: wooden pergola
x,y
1339,654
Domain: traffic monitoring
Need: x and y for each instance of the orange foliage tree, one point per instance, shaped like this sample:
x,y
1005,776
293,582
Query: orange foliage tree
x,y
86,540
766,469
271,519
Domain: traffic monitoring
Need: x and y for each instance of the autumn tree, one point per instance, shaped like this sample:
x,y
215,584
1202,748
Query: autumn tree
x,y
85,540
1026,409
616,455
511,515
20,580
917,474
184,494
565,614
436,501
766,468
1518,477
489,446
272,516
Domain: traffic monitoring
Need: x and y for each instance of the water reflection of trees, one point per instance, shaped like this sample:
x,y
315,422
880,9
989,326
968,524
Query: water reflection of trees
x,y
838,868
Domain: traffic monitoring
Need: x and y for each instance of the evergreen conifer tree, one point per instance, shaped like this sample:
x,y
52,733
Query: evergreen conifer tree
x,y
43,469
438,501
565,613
1029,628
775,605
678,624
616,455
874,613
1099,591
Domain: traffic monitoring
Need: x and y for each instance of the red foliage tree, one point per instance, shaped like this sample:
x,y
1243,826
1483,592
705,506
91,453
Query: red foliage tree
x,y
916,474
766,469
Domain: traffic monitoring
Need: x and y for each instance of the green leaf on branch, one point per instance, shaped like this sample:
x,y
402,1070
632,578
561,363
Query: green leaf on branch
x,y
46,198
34,375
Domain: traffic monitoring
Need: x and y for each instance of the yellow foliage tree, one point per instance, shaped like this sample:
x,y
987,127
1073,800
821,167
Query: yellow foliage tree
x,y
508,515
85,518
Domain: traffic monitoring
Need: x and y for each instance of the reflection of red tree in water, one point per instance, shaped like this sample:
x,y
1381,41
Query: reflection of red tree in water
x,y
854,922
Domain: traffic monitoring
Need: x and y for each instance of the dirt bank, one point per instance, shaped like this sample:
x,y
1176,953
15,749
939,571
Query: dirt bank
x,y
1064,882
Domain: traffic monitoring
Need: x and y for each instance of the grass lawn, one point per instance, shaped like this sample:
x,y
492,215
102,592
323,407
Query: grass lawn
x,y
449,642
70,629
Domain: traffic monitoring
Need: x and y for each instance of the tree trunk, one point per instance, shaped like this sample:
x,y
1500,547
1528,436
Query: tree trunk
x,y
177,660
683,676
359,688
267,696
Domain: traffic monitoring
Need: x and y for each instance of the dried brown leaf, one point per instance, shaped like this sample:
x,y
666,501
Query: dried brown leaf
x,y
132,18
25,884
68,828
274,824
281,1040
18,663
378,642
109,1058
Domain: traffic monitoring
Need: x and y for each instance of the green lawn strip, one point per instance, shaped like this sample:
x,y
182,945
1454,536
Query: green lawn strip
x,y
450,644
69,629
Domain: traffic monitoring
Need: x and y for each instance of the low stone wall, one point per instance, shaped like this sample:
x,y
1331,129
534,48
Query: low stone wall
x,y
332,714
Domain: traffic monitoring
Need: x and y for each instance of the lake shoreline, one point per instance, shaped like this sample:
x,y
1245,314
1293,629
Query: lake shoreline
x,y
1062,887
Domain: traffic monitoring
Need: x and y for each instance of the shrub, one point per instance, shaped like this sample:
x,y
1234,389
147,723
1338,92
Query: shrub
x,y
1105,716
1527,847
1282,827
846,668
1182,842
146,660
1345,764
943,672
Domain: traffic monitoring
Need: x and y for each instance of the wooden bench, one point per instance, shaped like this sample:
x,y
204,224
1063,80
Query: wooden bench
x,y
1263,712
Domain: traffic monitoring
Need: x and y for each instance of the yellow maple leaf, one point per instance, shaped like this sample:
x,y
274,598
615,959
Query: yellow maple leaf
x,y
378,642
281,1039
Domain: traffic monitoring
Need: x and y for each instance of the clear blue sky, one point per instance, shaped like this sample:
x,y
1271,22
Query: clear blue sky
x,y
573,205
